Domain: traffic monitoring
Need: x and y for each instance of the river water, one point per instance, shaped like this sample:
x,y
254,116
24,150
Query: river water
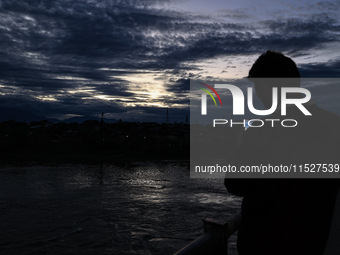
x,y
149,208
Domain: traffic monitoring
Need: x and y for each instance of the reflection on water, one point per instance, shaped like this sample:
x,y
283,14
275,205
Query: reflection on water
x,y
74,209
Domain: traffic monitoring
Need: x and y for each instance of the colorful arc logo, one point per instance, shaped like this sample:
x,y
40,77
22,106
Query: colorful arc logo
x,y
213,90
204,98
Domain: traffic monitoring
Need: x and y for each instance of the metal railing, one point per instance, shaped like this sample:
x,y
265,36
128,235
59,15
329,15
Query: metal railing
x,y
214,241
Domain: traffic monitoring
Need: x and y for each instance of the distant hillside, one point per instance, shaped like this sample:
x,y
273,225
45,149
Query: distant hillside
x,y
85,118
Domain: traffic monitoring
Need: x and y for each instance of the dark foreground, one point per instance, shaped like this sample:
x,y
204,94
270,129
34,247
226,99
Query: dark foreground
x,y
75,209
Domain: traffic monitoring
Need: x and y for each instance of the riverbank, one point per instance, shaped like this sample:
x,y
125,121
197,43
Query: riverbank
x,y
91,142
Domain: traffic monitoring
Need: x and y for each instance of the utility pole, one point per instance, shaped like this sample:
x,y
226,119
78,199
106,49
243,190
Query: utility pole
x,y
167,115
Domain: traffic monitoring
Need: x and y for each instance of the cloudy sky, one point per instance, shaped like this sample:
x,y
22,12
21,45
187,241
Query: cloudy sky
x,y
133,59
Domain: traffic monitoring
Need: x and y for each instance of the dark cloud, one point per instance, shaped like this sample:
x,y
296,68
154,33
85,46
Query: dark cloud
x,y
238,14
324,6
328,70
49,48
292,35
179,85
316,25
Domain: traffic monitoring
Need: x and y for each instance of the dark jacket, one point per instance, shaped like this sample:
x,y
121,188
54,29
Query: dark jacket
x,y
288,216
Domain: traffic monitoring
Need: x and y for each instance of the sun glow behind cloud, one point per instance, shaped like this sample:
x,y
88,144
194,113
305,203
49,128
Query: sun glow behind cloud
x,y
148,89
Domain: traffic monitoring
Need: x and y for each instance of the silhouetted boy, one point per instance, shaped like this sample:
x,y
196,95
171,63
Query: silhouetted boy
x,y
286,216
